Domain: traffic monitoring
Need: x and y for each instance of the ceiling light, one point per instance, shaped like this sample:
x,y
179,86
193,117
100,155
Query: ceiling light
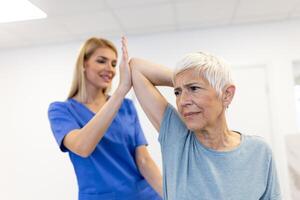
x,y
19,10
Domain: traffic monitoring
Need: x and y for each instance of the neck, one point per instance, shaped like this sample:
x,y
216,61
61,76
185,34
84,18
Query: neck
x,y
219,137
94,95
95,98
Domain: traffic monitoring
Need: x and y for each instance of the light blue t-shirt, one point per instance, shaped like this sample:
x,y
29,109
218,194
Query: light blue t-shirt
x,y
192,171
110,172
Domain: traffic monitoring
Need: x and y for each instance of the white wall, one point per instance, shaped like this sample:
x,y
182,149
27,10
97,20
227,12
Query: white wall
x,y
297,99
30,78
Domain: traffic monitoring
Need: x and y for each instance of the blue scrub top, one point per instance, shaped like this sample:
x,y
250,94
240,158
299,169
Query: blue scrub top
x,y
110,172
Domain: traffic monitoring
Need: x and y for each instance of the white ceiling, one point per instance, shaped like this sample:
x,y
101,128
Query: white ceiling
x,y
70,20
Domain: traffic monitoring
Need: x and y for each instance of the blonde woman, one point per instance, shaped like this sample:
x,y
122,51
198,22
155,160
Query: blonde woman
x,y
102,133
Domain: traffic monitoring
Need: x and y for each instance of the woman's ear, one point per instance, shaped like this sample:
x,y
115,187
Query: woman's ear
x,y
84,65
228,95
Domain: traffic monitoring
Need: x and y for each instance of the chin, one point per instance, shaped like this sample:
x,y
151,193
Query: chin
x,y
104,86
194,126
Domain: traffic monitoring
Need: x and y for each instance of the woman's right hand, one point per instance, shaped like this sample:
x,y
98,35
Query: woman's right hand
x,y
125,72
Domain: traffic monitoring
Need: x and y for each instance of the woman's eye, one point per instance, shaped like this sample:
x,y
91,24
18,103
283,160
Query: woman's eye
x,y
177,93
194,88
114,64
101,61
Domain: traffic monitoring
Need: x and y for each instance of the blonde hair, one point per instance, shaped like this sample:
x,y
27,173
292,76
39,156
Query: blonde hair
x,y
215,70
87,49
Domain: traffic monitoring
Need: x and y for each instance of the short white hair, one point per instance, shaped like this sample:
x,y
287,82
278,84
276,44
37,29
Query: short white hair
x,y
215,70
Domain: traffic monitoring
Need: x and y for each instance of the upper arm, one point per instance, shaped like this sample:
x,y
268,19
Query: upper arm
x,y
151,100
61,122
65,128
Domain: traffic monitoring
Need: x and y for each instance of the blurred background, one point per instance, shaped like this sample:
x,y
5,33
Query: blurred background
x,y
259,38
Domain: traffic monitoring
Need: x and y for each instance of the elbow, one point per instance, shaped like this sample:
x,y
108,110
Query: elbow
x,y
134,63
84,154
82,151
74,143
142,163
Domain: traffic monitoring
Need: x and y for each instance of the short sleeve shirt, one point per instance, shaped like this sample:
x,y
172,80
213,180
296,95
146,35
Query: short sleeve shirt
x,y
110,172
192,171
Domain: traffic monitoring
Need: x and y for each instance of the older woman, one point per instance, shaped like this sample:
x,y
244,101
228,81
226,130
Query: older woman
x,y
202,157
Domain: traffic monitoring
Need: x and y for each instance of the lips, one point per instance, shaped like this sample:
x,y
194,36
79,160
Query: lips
x,y
190,114
106,77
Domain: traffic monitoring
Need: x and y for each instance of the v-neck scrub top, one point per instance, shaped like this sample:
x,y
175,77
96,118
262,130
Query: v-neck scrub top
x,y
110,172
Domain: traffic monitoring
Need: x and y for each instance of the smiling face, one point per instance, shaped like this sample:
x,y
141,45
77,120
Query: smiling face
x,y
100,68
197,102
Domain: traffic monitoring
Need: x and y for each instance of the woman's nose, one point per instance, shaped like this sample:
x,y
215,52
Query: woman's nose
x,y
109,66
185,98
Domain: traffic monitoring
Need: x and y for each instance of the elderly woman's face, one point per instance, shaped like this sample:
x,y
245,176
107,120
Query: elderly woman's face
x,y
197,102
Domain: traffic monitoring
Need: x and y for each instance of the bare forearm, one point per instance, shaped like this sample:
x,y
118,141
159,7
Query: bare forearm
x,y
152,174
158,75
84,140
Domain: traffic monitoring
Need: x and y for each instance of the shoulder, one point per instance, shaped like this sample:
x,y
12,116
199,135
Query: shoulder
x,y
127,108
58,107
171,115
258,144
128,104
173,131
257,140
169,110
171,120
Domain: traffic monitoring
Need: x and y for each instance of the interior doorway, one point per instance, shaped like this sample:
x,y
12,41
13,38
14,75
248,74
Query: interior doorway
x,y
296,72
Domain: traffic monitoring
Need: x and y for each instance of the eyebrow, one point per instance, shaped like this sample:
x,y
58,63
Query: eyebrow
x,y
187,85
105,58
